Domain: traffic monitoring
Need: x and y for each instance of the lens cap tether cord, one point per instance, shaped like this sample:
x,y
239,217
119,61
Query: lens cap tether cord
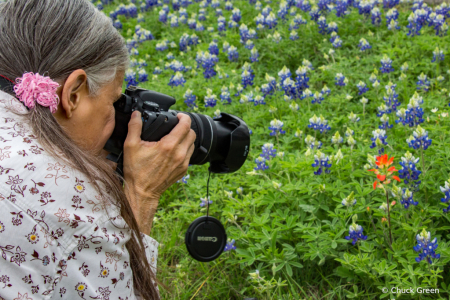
x,y
206,237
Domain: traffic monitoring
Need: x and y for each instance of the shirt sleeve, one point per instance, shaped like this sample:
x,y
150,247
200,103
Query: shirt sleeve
x,y
97,267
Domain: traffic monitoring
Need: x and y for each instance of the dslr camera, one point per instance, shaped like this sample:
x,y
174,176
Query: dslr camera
x,y
224,142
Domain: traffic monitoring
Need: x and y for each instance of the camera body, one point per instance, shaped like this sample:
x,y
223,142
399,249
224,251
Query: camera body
x,y
224,142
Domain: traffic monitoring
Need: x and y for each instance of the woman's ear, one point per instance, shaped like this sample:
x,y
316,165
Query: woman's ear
x,y
71,92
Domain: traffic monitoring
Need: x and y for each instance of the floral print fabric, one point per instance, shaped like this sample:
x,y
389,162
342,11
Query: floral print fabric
x,y
58,238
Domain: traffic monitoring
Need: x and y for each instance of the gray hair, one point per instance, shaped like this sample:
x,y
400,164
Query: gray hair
x,y
57,37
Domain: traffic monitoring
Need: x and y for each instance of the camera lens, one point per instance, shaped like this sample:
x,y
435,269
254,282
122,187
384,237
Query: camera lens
x,y
223,142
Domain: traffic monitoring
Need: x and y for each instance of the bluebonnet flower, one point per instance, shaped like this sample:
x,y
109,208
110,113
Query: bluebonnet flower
x,y
282,12
414,113
230,246
177,66
261,164
326,90
364,45
438,55
392,14
225,95
340,80
210,99
405,196
177,80
314,13
349,132
174,21
373,78
277,127
247,78
376,16
254,55
364,6
385,122
233,54
302,79
207,61
378,140
284,73
391,97
341,8
298,20
294,106
118,24
409,172
293,36
337,139
419,139
312,143
317,98
239,90
355,233
337,42
268,151
446,199
249,45
308,64
184,179
185,41
276,37
416,21
353,118
383,109
427,246
228,5
271,21
236,15
289,88
143,76
213,48
199,27
332,27
259,100
162,46
393,25
205,201
322,161
190,99
333,37
170,56
215,4
362,87
323,26
130,78
349,200
244,34
386,65
162,16
319,123
157,70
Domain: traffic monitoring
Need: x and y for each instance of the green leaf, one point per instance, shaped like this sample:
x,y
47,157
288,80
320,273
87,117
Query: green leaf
x,y
289,270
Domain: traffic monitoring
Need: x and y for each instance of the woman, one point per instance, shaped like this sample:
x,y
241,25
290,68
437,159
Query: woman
x,y
68,227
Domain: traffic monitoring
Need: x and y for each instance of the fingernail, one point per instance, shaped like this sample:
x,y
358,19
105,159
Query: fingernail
x,y
136,114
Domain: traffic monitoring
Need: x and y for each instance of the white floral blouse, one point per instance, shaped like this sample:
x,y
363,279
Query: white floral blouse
x,y
56,239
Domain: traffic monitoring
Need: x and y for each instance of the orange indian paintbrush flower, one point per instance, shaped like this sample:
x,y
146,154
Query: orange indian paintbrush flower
x,y
384,172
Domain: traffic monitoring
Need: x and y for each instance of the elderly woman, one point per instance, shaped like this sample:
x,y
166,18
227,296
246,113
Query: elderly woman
x,y
69,228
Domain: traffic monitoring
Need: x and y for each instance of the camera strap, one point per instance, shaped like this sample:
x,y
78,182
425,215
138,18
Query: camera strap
x,y
6,85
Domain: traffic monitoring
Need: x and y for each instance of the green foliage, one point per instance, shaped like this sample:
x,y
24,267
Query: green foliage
x,y
295,235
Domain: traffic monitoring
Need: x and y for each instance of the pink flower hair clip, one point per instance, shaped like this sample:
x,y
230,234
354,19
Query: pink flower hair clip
x,y
32,88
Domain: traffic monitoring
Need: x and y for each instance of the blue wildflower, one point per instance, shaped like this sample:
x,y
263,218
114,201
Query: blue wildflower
x,y
355,233
409,172
446,199
322,161
319,123
386,65
385,122
362,87
277,127
261,164
210,99
254,55
190,99
378,140
268,151
143,76
427,246
340,80
130,78
323,26
364,45
375,16
233,54
419,139
230,246
177,80
205,201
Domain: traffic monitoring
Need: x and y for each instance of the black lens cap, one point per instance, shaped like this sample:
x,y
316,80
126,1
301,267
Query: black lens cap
x,y
205,239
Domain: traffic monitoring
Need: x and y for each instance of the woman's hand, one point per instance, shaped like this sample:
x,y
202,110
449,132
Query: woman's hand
x,y
150,168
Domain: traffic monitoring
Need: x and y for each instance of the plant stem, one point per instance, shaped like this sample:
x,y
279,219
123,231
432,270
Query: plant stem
x,y
389,216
